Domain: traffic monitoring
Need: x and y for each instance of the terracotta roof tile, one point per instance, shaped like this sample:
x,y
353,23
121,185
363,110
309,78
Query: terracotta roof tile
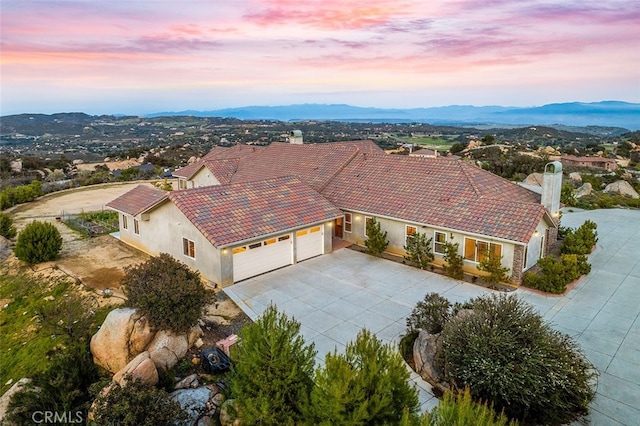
x,y
227,214
437,191
138,200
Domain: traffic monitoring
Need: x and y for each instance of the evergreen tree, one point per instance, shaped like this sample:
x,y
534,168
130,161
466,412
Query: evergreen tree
x,y
272,376
7,229
368,385
38,242
418,250
492,263
453,268
376,241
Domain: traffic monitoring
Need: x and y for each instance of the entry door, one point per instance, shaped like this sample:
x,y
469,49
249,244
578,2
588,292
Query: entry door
x,y
338,228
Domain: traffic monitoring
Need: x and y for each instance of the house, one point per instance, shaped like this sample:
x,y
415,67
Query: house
x,y
590,162
246,210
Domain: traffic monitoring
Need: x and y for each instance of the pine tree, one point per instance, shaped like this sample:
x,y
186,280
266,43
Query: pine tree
x,y
453,268
38,242
367,385
7,229
376,241
273,372
492,263
418,250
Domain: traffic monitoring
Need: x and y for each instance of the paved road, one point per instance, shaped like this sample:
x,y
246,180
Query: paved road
x,y
335,295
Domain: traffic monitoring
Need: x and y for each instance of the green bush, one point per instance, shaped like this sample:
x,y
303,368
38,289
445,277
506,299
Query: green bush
x,y
7,229
492,263
272,376
170,294
38,242
418,250
508,356
429,314
376,241
453,267
11,196
368,385
137,404
555,274
461,410
580,240
62,387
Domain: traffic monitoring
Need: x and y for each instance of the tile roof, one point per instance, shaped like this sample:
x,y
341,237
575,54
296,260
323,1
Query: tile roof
x,y
138,200
437,191
227,214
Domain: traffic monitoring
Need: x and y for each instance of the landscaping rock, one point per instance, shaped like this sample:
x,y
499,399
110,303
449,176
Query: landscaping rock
x,y
125,334
424,356
188,382
167,348
622,187
534,179
6,397
576,177
140,368
585,189
194,402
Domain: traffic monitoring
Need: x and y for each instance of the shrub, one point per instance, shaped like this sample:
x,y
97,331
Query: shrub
x,y
429,314
38,242
418,250
62,387
137,404
492,263
508,356
169,293
376,241
367,385
272,376
7,229
556,274
581,240
461,410
454,260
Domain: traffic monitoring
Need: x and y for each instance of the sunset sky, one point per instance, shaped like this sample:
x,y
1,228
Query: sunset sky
x,y
143,56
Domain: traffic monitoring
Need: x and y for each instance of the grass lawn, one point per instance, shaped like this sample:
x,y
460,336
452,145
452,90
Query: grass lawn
x,y
26,340
439,143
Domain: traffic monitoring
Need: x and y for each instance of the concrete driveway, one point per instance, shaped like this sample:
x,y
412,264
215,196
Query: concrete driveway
x,y
336,295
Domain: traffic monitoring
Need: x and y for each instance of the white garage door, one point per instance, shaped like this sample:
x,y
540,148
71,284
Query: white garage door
x,y
309,242
262,256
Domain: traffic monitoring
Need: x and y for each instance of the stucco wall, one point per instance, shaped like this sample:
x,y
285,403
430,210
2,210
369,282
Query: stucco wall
x,y
396,236
163,233
203,178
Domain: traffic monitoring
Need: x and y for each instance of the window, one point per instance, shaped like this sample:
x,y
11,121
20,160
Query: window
x,y
409,232
314,229
239,250
526,253
301,233
270,241
182,184
366,223
347,222
439,241
283,238
188,248
255,245
136,226
541,247
125,224
476,250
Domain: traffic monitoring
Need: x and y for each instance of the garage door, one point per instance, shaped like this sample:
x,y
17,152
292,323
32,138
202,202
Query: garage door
x,y
262,256
309,243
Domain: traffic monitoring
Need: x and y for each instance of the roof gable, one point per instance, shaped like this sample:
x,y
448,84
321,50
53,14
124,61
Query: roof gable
x,y
138,200
227,214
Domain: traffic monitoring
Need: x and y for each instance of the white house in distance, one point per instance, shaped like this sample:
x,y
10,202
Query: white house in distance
x,y
246,210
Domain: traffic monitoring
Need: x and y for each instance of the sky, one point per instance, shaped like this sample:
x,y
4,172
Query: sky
x,y
144,56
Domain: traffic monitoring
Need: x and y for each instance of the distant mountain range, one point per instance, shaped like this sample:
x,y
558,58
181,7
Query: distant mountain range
x,y
606,113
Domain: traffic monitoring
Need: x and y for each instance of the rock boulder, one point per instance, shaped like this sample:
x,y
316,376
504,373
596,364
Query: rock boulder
x,y
424,356
140,368
585,189
622,187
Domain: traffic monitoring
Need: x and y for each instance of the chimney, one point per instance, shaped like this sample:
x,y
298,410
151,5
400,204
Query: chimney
x,y
295,137
552,187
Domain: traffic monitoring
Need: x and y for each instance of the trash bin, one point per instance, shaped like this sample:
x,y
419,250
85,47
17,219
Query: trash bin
x,y
215,361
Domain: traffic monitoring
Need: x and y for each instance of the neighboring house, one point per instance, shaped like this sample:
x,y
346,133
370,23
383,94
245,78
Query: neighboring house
x,y
590,162
248,210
